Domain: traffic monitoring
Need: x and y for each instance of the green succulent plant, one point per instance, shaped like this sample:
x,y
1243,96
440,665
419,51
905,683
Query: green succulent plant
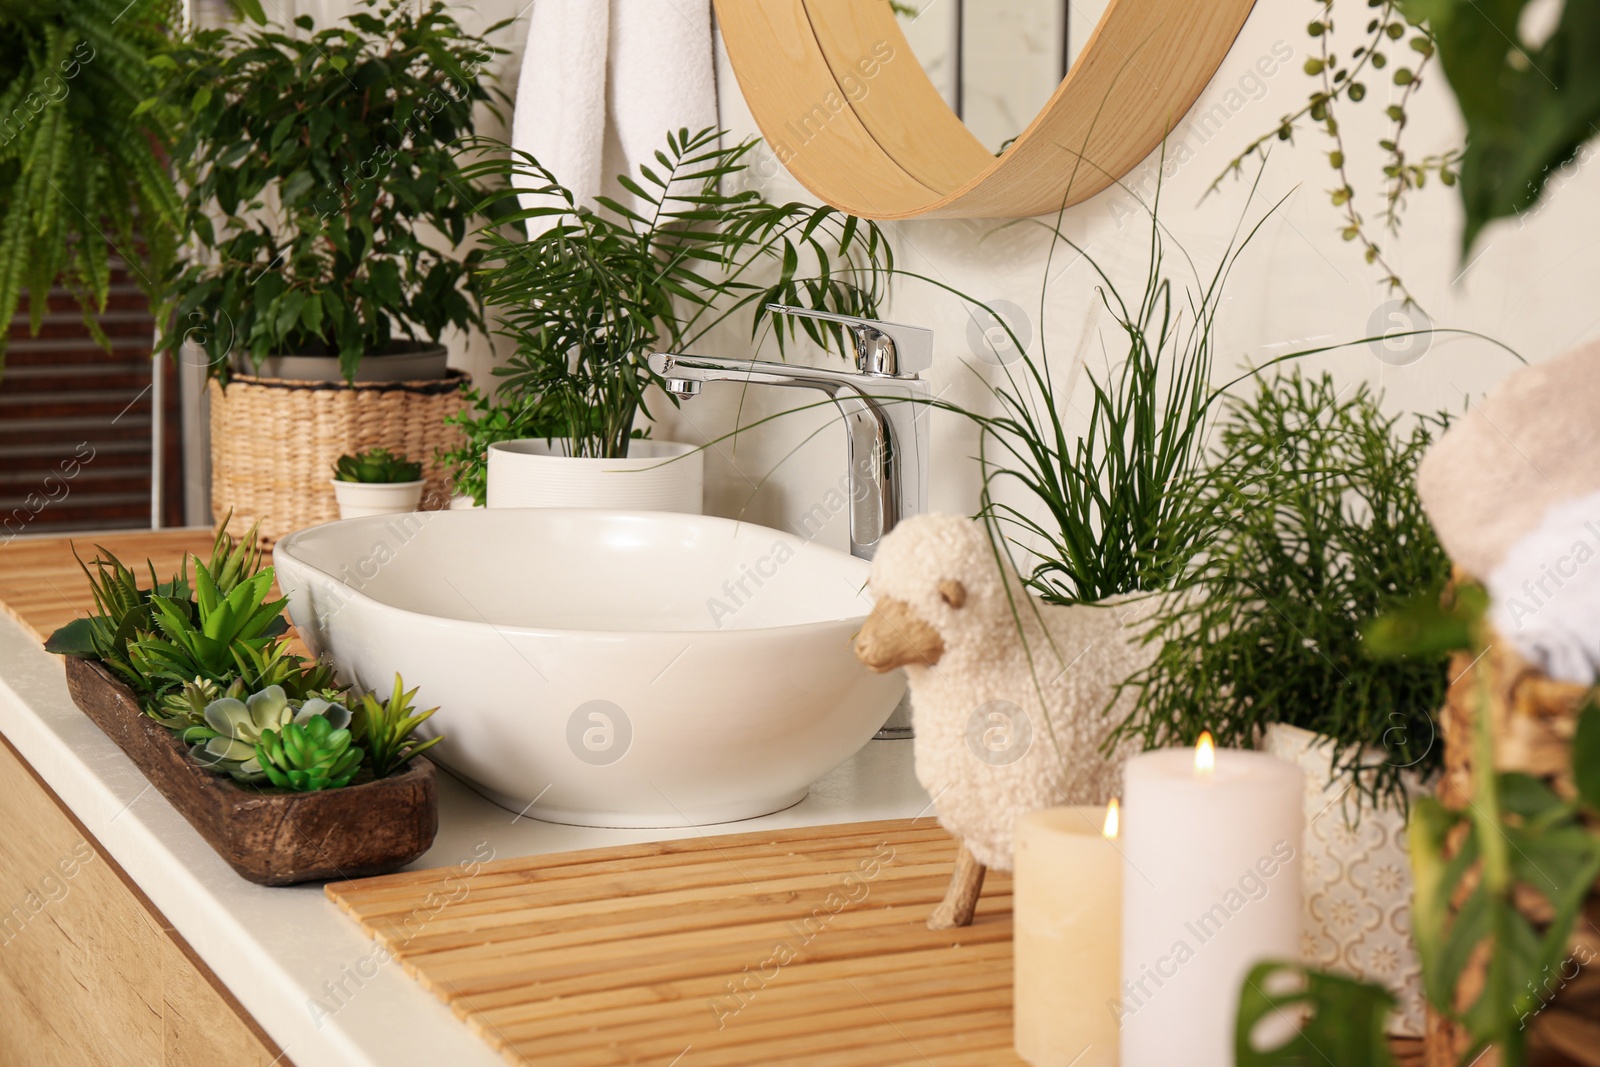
x,y
377,465
385,727
123,607
308,757
233,729
208,637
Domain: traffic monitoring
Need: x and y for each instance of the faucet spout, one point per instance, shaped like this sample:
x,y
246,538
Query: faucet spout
x,y
885,418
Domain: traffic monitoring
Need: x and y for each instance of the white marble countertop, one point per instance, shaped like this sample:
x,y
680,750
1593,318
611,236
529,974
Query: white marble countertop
x,y
299,966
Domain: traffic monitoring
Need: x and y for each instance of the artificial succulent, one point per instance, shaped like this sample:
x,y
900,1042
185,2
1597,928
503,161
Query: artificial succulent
x,y
377,465
308,756
228,741
385,727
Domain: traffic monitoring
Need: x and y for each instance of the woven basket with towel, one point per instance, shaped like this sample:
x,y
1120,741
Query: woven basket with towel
x,y
1514,491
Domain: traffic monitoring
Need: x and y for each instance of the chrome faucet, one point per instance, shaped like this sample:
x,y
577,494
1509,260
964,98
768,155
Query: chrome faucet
x,y
884,403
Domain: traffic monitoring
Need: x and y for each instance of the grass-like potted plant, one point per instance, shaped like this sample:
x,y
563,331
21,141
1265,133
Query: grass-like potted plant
x,y
586,295
287,776
83,170
376,482
319,168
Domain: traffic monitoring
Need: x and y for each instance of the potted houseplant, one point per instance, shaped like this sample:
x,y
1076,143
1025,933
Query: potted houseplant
x,y
586,296
376,482
313,166
194,679
1318,529
72,132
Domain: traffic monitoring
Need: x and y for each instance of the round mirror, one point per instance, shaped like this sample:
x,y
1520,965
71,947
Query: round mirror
x,y
996,63
868,121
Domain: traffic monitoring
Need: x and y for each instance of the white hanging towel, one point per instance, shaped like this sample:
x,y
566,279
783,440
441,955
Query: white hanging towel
x,y
603,81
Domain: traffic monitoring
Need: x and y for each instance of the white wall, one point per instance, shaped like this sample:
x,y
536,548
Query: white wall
x,y
1529,284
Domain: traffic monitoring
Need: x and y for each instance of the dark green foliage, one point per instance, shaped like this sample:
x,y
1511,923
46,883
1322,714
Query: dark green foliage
x,y
1528,110
80,169
314,163
1318,530
309,757
377,465
1347,1025
588,299
385,727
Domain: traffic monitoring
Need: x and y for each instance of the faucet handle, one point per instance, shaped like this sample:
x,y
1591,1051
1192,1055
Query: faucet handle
x,y
886,348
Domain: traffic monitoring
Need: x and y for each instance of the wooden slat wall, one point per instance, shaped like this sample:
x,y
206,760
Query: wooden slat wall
x,y
76,420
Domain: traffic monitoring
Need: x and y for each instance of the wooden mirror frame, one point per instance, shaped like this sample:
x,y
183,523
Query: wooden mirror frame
x,y
848,110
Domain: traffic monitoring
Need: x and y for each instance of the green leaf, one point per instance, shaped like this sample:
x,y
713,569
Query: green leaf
x,y
76,638
1346,1025
1586,754
251,9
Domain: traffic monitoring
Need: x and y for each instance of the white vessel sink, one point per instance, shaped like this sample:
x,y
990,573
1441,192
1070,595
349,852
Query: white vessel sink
x,y
602,668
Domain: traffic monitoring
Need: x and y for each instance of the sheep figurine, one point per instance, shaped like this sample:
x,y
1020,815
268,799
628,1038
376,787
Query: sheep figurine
x,y
1008,719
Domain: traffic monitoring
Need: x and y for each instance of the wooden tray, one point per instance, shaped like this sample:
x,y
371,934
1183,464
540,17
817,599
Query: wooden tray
x,y
800,947
270,838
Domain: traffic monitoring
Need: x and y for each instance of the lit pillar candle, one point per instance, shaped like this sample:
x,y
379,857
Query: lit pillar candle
x,y
1066,908
1210,888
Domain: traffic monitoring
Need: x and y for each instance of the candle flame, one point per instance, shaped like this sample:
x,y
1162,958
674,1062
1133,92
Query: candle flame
x,y
1113,820
1205,754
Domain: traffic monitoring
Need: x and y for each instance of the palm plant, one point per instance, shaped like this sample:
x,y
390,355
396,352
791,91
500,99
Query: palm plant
x,y
82,165
589,295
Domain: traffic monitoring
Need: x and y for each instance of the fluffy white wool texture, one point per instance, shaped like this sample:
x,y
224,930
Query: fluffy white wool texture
x,y
1080,654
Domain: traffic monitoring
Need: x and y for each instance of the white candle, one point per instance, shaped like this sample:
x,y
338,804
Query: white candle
x,y
1066,913
1211,887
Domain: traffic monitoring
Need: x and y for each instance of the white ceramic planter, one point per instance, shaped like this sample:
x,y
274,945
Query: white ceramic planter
x,y
360,499
656,476
1356,879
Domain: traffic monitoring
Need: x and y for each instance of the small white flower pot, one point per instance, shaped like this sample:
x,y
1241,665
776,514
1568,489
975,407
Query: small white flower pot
x,y
656,476
359,499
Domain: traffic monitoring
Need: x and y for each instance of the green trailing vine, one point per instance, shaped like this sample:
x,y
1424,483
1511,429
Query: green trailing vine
x,y
1394,49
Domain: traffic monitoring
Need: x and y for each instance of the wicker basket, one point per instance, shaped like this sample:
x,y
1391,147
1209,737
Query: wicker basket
x,y
274,443
1534,721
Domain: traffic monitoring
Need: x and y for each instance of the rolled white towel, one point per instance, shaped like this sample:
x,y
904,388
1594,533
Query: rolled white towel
x,y
1545,592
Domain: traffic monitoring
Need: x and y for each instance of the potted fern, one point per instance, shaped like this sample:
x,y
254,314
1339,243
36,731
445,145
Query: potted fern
x,y
72,132
586,295
315,165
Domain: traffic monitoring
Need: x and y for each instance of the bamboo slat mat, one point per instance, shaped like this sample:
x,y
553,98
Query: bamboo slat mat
x,y
785,947
714,952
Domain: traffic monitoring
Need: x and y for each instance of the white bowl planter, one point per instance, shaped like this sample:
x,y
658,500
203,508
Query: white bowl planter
x,y
360,499
1356,878
656,476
